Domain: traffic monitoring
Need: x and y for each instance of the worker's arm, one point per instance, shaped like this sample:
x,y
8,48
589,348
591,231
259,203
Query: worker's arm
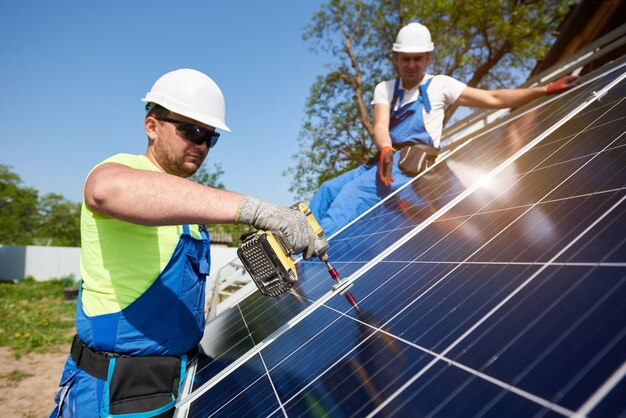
x,y
154,198
503,98
382,140
381,126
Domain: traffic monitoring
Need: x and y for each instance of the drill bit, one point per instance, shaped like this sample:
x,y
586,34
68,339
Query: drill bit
x,y
332,271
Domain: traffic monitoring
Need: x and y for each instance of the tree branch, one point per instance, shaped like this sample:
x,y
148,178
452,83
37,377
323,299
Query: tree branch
x,y
356,82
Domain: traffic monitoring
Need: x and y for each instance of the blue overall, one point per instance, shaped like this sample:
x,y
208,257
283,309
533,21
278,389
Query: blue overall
x,y
167,319
342,199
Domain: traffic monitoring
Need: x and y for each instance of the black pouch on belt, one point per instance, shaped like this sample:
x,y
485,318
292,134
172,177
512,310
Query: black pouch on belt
x,y
142,384
134,385
416,158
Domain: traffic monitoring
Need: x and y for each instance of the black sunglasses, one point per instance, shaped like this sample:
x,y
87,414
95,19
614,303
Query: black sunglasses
x,y
194,133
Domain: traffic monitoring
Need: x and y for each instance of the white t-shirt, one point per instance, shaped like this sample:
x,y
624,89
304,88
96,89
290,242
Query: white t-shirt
x,y
442,92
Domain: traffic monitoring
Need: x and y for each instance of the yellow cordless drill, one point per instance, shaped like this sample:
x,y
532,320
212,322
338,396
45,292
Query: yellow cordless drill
x,y
267,258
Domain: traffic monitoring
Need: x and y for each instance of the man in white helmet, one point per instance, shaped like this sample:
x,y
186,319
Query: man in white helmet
x,y
145,256
408,116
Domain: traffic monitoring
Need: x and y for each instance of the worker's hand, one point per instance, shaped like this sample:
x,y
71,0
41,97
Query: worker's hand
x,y
564,83
385,166
290,223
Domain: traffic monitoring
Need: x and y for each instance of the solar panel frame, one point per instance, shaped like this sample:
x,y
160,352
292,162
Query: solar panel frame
x,y
314,304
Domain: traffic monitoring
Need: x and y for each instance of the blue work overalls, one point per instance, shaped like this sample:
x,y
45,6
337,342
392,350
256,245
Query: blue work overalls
x,y
342,199
166,320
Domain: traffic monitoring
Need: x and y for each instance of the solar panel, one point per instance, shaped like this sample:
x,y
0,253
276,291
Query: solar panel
x,y
491,285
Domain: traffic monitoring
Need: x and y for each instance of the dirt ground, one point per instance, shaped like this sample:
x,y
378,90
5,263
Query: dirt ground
x,y
33,395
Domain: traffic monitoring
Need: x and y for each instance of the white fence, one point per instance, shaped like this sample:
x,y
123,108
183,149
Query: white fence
x,y
42,263
45,263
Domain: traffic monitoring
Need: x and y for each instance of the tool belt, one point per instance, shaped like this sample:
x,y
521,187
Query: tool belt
x,y
135,385
415,158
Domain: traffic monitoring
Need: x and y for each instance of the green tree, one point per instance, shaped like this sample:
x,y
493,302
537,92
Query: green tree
x,y
27,219
18,209
486,44
213,178
59,222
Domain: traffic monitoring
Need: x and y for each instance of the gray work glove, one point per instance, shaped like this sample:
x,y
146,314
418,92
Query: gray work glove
x,y
290,223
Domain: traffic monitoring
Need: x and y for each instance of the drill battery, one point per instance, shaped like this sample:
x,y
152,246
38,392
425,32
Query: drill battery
x,y
268,261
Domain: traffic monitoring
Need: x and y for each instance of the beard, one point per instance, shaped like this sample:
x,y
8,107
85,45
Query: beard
x,y
179,164
185,170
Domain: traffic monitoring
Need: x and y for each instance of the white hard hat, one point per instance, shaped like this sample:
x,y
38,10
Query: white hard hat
x,y
192,94
413,37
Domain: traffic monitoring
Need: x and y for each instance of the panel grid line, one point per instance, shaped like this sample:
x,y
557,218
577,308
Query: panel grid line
x,y
282,407
561,199
606,385
510,263
602,391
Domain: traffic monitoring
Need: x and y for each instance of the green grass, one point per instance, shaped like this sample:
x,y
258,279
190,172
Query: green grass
x,y
15,376
34,316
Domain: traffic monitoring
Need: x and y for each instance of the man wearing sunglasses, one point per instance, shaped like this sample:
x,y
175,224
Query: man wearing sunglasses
x,y
145,256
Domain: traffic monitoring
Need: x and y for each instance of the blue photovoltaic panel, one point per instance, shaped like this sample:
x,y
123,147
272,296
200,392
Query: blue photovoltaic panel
x,y
493,285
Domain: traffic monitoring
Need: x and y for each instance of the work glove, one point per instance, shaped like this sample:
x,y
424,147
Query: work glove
x,y
385,166
290,223
564,83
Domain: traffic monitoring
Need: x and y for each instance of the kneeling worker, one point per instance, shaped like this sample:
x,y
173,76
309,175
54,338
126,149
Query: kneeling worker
x,y
408,116
140,311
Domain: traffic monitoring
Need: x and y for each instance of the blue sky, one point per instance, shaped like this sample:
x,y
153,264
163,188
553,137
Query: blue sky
x,y
73,74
